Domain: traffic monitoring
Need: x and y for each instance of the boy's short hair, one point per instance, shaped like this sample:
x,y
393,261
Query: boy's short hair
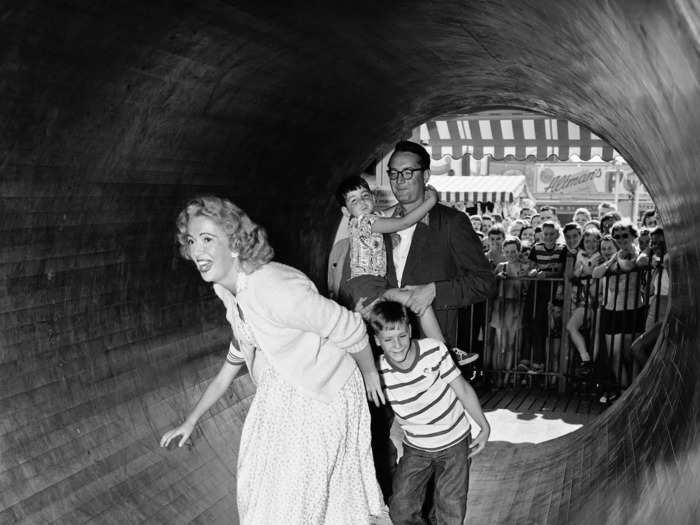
x,y
549,224
388,314
625,224
497,229
348,184
512,240
572,226
613,215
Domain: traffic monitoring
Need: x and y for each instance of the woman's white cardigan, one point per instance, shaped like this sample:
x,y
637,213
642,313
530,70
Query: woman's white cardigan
x,y
305,337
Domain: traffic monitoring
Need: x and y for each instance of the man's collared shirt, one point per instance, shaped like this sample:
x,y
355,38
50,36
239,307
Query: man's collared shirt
x,y
401,242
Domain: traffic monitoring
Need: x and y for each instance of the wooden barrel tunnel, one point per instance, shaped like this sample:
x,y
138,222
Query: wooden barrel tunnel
x,y
112,114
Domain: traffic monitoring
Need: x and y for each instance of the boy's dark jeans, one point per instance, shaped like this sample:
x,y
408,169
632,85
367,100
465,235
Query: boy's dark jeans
x,y
416,467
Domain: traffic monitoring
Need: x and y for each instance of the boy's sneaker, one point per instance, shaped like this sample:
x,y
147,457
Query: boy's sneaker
x,y
524,366
464,358
536,368
585,370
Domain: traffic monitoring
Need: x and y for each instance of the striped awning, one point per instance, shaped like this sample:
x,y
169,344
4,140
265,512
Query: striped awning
x,y
487,188
516,135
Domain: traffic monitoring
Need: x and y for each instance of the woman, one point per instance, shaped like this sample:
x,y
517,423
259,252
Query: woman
x,y
305,446
623,311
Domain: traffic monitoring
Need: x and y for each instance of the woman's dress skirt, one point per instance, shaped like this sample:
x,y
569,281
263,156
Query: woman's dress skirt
x,y
302,461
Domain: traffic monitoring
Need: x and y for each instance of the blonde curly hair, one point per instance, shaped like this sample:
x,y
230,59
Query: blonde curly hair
x,y
245,237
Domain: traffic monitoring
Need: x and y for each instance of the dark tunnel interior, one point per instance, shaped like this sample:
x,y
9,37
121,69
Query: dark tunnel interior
x,y
113,114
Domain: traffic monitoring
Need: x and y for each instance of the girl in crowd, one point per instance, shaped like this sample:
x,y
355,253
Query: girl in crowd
x,y
587,258
527,239
507,317
623,314
305,452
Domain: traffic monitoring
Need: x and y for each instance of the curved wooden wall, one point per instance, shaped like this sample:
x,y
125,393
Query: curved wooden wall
x,y
111,114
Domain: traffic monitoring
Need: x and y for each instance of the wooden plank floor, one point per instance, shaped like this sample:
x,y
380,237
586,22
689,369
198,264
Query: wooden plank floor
x,y
492,471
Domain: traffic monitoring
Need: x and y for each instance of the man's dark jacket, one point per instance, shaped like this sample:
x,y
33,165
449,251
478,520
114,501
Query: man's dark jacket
x,y
448,252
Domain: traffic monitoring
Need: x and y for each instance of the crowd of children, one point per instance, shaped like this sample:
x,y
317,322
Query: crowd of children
x,y
603,282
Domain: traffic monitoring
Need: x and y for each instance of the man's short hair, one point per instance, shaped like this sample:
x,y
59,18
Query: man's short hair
x,y
415,148
387,315
348,184
547,207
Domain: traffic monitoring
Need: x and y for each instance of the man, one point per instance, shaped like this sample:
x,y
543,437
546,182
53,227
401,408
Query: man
x,y
440,258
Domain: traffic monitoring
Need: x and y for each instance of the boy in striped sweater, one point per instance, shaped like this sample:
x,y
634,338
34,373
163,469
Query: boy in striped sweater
x,y
429,397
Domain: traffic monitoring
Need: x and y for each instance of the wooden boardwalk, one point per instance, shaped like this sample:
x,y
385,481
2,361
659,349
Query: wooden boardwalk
x,y
539,400
493,486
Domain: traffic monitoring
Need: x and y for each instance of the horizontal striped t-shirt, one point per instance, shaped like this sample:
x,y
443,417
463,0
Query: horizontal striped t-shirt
x,y
546,259
425,405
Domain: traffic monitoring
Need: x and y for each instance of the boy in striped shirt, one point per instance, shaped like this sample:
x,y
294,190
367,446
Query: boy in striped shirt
x,y
429,397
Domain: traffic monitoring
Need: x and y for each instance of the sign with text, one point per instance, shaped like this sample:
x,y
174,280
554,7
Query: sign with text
x,y
581,178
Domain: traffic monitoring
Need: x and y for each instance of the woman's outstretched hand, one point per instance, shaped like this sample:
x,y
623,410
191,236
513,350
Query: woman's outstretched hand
x,y
184,430
374,388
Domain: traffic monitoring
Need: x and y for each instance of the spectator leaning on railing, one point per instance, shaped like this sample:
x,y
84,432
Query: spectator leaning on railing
x,y
623,308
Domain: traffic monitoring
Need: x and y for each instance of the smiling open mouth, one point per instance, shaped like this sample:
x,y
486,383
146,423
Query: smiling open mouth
x,y
204,266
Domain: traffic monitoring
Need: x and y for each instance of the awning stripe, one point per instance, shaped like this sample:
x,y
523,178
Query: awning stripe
x,y
516,137
491,188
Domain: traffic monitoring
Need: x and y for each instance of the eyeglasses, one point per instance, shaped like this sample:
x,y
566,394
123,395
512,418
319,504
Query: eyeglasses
x,y
619,236
406,173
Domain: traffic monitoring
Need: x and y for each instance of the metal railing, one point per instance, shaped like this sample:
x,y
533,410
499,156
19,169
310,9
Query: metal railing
x,y
523,335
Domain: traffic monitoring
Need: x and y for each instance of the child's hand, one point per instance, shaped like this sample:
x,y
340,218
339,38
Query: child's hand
x,y
362,309
374,388
479,442
533,272
431,194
